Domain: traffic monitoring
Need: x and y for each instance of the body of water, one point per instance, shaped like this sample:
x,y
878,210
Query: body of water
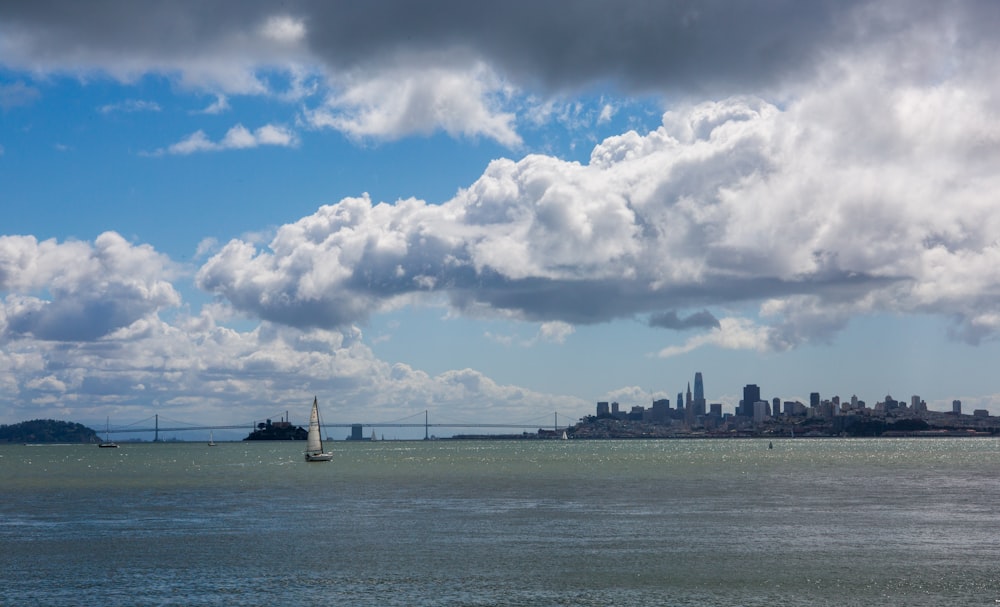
x,y
591,523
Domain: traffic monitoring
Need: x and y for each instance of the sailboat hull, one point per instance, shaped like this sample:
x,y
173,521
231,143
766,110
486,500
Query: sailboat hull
x,y
319,457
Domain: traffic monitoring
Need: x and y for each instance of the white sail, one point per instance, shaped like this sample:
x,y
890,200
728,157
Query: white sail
x,y
314,442
314,439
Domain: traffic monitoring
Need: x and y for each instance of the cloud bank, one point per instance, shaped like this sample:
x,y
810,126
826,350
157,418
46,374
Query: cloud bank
x,y
727,203
389,69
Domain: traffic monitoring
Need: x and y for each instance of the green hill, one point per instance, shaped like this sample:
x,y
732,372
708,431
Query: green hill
x,y
47,431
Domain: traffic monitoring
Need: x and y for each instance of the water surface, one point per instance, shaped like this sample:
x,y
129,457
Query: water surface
x,y
670,522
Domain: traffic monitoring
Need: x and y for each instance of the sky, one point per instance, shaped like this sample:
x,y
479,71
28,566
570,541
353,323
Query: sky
x,y
494,212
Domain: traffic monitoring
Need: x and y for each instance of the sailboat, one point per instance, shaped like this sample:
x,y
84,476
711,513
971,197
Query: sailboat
x,y
211,440
107,444
314,439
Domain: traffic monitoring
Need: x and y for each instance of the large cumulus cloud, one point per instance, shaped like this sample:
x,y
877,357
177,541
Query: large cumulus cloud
x,y
728,202
77,291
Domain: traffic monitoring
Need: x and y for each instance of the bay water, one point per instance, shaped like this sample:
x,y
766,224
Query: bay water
x,y
450,522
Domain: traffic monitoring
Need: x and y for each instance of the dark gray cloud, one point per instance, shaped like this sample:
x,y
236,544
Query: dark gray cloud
x,y
642,45
671,320
690,45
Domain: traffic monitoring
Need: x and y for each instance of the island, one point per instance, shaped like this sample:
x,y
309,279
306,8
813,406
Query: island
x,y
281,430
47,431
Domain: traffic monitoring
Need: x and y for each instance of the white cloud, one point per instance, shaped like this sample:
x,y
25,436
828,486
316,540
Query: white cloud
x,y
202,370
284,29
76,291
130,106
403,102
555,331
236,138
732,334
219,106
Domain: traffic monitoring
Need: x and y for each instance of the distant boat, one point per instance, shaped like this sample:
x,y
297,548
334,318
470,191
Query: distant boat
x,y
314,438
107,444
211,440
564,436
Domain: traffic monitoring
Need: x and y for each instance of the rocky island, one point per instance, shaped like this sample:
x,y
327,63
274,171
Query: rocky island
x,y
282,430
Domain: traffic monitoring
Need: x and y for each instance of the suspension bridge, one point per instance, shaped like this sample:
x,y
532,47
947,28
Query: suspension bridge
x,y
152,424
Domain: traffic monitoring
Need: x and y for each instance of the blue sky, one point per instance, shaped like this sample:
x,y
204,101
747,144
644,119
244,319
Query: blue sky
x,y
493,214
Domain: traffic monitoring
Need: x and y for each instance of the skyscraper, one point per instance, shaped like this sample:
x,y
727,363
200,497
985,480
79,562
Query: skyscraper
x,y
699,395
689,411
751,394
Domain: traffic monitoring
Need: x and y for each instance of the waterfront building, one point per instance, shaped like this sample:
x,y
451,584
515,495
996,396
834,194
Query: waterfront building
x,y
814,399
956,407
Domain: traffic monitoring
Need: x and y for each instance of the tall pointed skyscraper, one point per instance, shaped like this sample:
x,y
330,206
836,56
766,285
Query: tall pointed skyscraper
x,y
689,412
700,407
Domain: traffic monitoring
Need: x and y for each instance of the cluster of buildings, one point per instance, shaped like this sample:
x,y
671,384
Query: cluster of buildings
x,y
756,415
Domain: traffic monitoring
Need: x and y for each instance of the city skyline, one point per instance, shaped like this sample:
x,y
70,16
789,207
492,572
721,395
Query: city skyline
x,y
497,213
753,393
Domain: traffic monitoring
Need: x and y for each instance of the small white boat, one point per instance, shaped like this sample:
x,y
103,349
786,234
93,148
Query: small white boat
x,y
107,444
211,440
314,438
